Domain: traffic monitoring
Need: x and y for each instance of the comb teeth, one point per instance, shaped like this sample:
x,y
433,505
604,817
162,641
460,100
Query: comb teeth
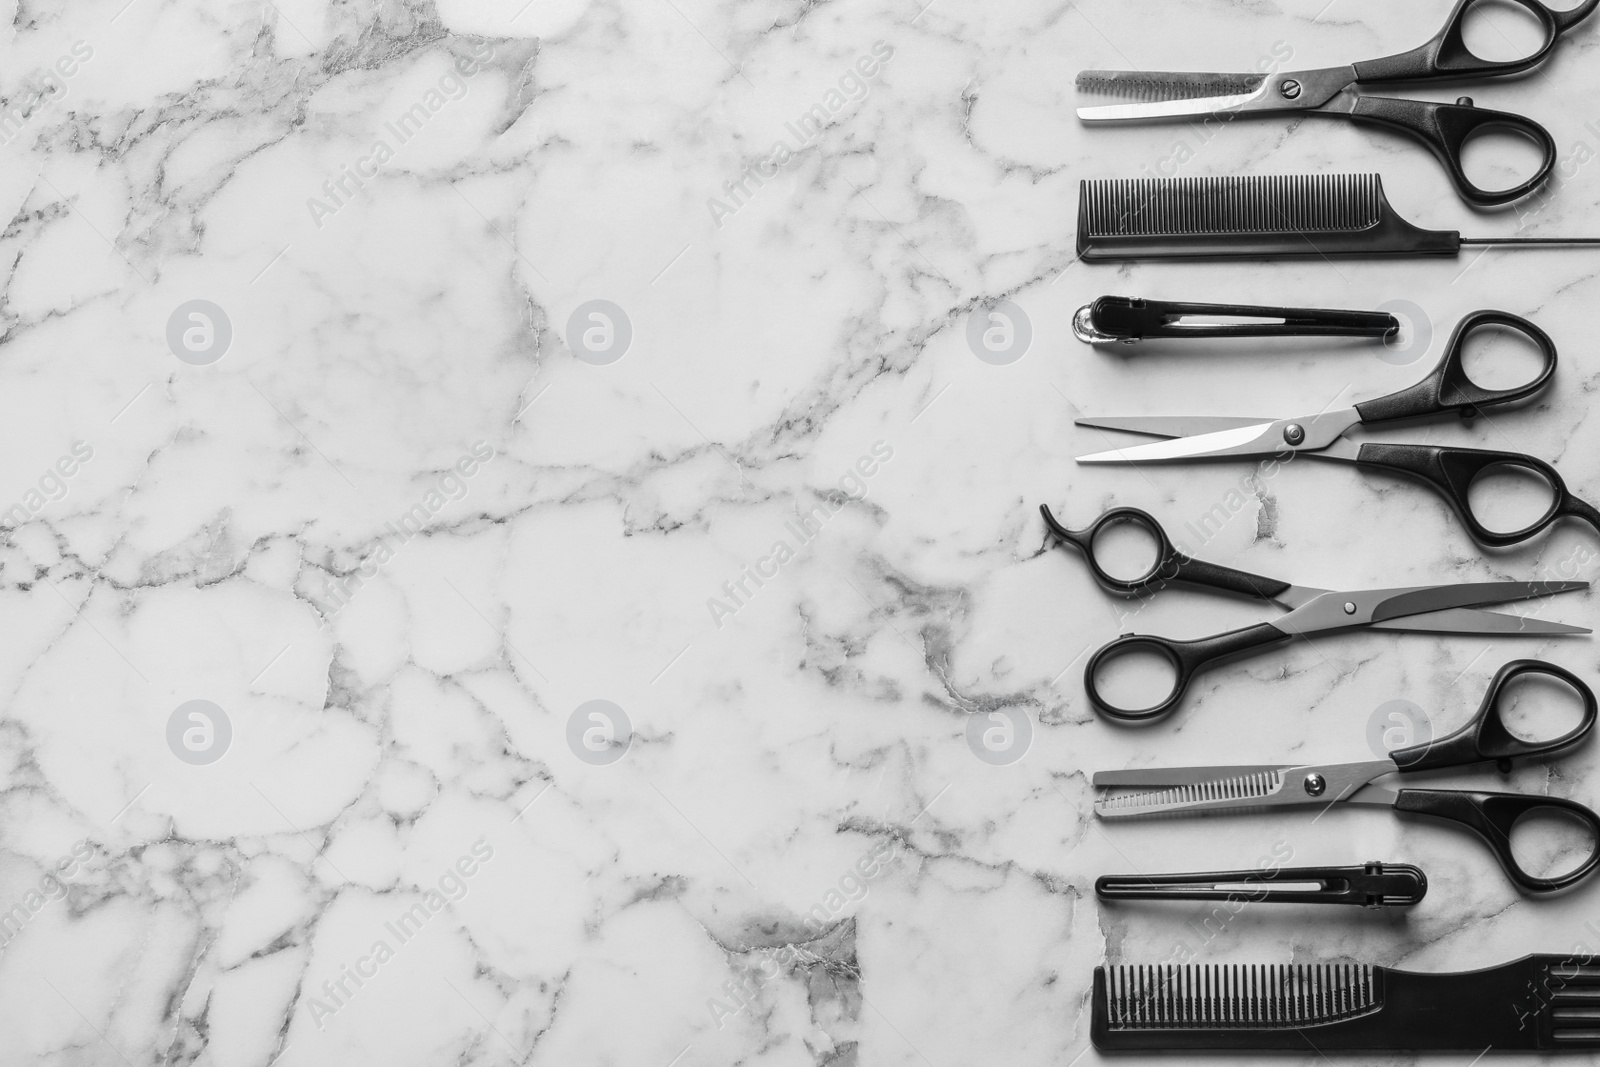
x,y
1160,85
1244,787
1294,203
1238,996
1575,1006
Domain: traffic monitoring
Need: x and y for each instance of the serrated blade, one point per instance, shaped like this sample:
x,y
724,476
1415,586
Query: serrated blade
x,y
1166,94
1166,84
1217,794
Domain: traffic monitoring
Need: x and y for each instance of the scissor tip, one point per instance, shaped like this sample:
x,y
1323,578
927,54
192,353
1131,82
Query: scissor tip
x,y
1568,587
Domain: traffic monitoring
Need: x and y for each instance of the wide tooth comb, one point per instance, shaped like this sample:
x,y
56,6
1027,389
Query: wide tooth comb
x,y
1154,85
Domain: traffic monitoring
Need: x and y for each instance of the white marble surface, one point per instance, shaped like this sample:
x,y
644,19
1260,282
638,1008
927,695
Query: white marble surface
x,y
208,913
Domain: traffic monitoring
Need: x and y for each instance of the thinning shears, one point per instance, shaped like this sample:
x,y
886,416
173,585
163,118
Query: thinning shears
x,y
1485,738
1444,128
1446,391
1421,608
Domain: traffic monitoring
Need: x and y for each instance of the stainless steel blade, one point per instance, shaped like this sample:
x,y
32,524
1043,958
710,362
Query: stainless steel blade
x,y
1400,603
1170,425
1276,787
1180,94
1305,434
1167,776
1166,84
1215,794
1341,610
1474,621
1165,94
1246,440
1376,795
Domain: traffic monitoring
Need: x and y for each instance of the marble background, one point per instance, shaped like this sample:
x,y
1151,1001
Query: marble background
x,y
398,509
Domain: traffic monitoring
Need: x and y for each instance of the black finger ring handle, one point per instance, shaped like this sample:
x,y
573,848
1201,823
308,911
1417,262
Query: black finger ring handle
x,y
1493,816
1446,129
1447,390
1451,473
1186,658
1486,737
1170,565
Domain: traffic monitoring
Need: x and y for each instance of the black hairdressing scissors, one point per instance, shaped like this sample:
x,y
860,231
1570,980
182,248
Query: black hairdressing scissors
x,y
1446,391
1444,128
1424,608
1484,739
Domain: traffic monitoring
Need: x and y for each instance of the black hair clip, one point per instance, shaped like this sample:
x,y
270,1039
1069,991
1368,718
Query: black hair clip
x,y
1128,319
1372,885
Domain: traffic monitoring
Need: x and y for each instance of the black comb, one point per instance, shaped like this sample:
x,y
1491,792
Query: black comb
x,y
1542,1003
1278,215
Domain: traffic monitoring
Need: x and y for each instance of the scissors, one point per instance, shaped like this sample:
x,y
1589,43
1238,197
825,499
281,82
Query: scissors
x,y
1446,391
1485,738
1418,608
1444,128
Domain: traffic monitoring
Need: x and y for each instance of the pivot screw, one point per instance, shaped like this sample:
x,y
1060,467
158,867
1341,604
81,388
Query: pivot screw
x,y
1289,88
1349,607
1294,433
1315,784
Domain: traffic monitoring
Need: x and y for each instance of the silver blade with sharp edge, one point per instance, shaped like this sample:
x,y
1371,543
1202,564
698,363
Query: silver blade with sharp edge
x,y
1342,610
1473,621
1401,603
1190,793
1170,425
1306,434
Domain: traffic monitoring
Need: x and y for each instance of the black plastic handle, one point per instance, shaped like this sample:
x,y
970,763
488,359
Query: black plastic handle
x,y
1485,736
1448,391
1446,129
1187,659
1451,472
1447,57
1493,815
1170,565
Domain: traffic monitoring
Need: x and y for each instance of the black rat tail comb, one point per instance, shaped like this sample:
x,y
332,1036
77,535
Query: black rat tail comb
x,y
1279,215
1538,1003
